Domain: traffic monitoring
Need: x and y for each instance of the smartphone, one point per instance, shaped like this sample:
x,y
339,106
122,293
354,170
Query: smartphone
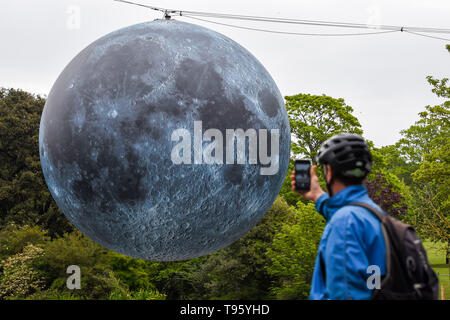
x,y
302,175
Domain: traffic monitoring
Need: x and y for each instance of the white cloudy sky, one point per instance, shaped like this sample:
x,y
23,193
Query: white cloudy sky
x,y
381,76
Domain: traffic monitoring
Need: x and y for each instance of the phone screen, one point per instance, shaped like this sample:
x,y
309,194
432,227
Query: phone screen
x,y
302,175
302,166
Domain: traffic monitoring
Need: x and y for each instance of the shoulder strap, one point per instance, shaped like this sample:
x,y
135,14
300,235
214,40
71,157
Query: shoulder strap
x,y
387,238
376,213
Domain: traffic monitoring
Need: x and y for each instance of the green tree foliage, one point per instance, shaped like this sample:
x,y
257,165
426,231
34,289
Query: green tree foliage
x,y
434,171
421,159
239,271
292,254
395,163
49,294
427,218
76,249
172,279
434,129
141,294
431,131
314,119
286,192
24,197
426,148
19,278
432,195
121,291
104,274
14,239
136,273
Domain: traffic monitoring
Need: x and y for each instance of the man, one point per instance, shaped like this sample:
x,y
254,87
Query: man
x,y
352,239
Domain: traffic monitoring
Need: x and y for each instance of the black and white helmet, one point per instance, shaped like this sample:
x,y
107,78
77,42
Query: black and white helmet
x,y
346,153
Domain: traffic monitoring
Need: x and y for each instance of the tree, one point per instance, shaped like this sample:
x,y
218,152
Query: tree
x,y
24,196
386,191
239,270
426,147
428,219
435,172
396,164
293,252
432,201
314,119
432,130
76,249
429,132
14,239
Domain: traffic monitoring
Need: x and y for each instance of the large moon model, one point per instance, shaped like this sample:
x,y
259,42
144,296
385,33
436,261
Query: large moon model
x,y
106,139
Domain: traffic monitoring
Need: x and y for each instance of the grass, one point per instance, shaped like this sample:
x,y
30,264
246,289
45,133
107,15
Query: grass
x,y
436,257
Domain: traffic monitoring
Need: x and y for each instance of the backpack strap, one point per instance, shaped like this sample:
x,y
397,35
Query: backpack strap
x,y
376,213
387,243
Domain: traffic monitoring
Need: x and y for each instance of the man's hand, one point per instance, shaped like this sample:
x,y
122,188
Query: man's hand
x,y
315,191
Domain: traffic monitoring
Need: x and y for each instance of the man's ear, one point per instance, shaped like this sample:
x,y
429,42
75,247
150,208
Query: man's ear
x,y
329,173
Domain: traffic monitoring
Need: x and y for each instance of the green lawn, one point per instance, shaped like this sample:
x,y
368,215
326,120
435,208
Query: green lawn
x,y
436,256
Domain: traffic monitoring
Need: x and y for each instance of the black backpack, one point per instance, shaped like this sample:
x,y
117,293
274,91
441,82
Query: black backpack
x,y
409,276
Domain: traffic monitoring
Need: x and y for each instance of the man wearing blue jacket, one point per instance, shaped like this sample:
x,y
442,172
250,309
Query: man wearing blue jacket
x,y
352,247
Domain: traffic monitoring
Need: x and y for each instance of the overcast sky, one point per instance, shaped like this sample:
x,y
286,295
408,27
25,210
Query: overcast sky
x,y
381,76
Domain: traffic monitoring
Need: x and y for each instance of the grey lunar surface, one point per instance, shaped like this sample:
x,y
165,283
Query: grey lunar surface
x,y
105,140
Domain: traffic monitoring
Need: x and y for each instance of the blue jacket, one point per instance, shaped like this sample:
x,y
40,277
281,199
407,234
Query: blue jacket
x,y
351,241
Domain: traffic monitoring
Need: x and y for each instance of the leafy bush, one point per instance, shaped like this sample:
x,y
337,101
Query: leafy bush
x,y
141,294
14,239
75,249
292,253
19,277
52,294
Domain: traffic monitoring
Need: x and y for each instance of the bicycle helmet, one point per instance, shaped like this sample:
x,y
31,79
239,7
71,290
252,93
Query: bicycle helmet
x,y
348,154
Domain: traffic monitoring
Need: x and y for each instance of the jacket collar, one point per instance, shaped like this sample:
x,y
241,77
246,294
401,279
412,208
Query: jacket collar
x,y
356,193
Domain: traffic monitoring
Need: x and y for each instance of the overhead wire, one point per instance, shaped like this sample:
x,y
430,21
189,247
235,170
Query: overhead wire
x,y
291,33
291,21
142,5
428,36
419,31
